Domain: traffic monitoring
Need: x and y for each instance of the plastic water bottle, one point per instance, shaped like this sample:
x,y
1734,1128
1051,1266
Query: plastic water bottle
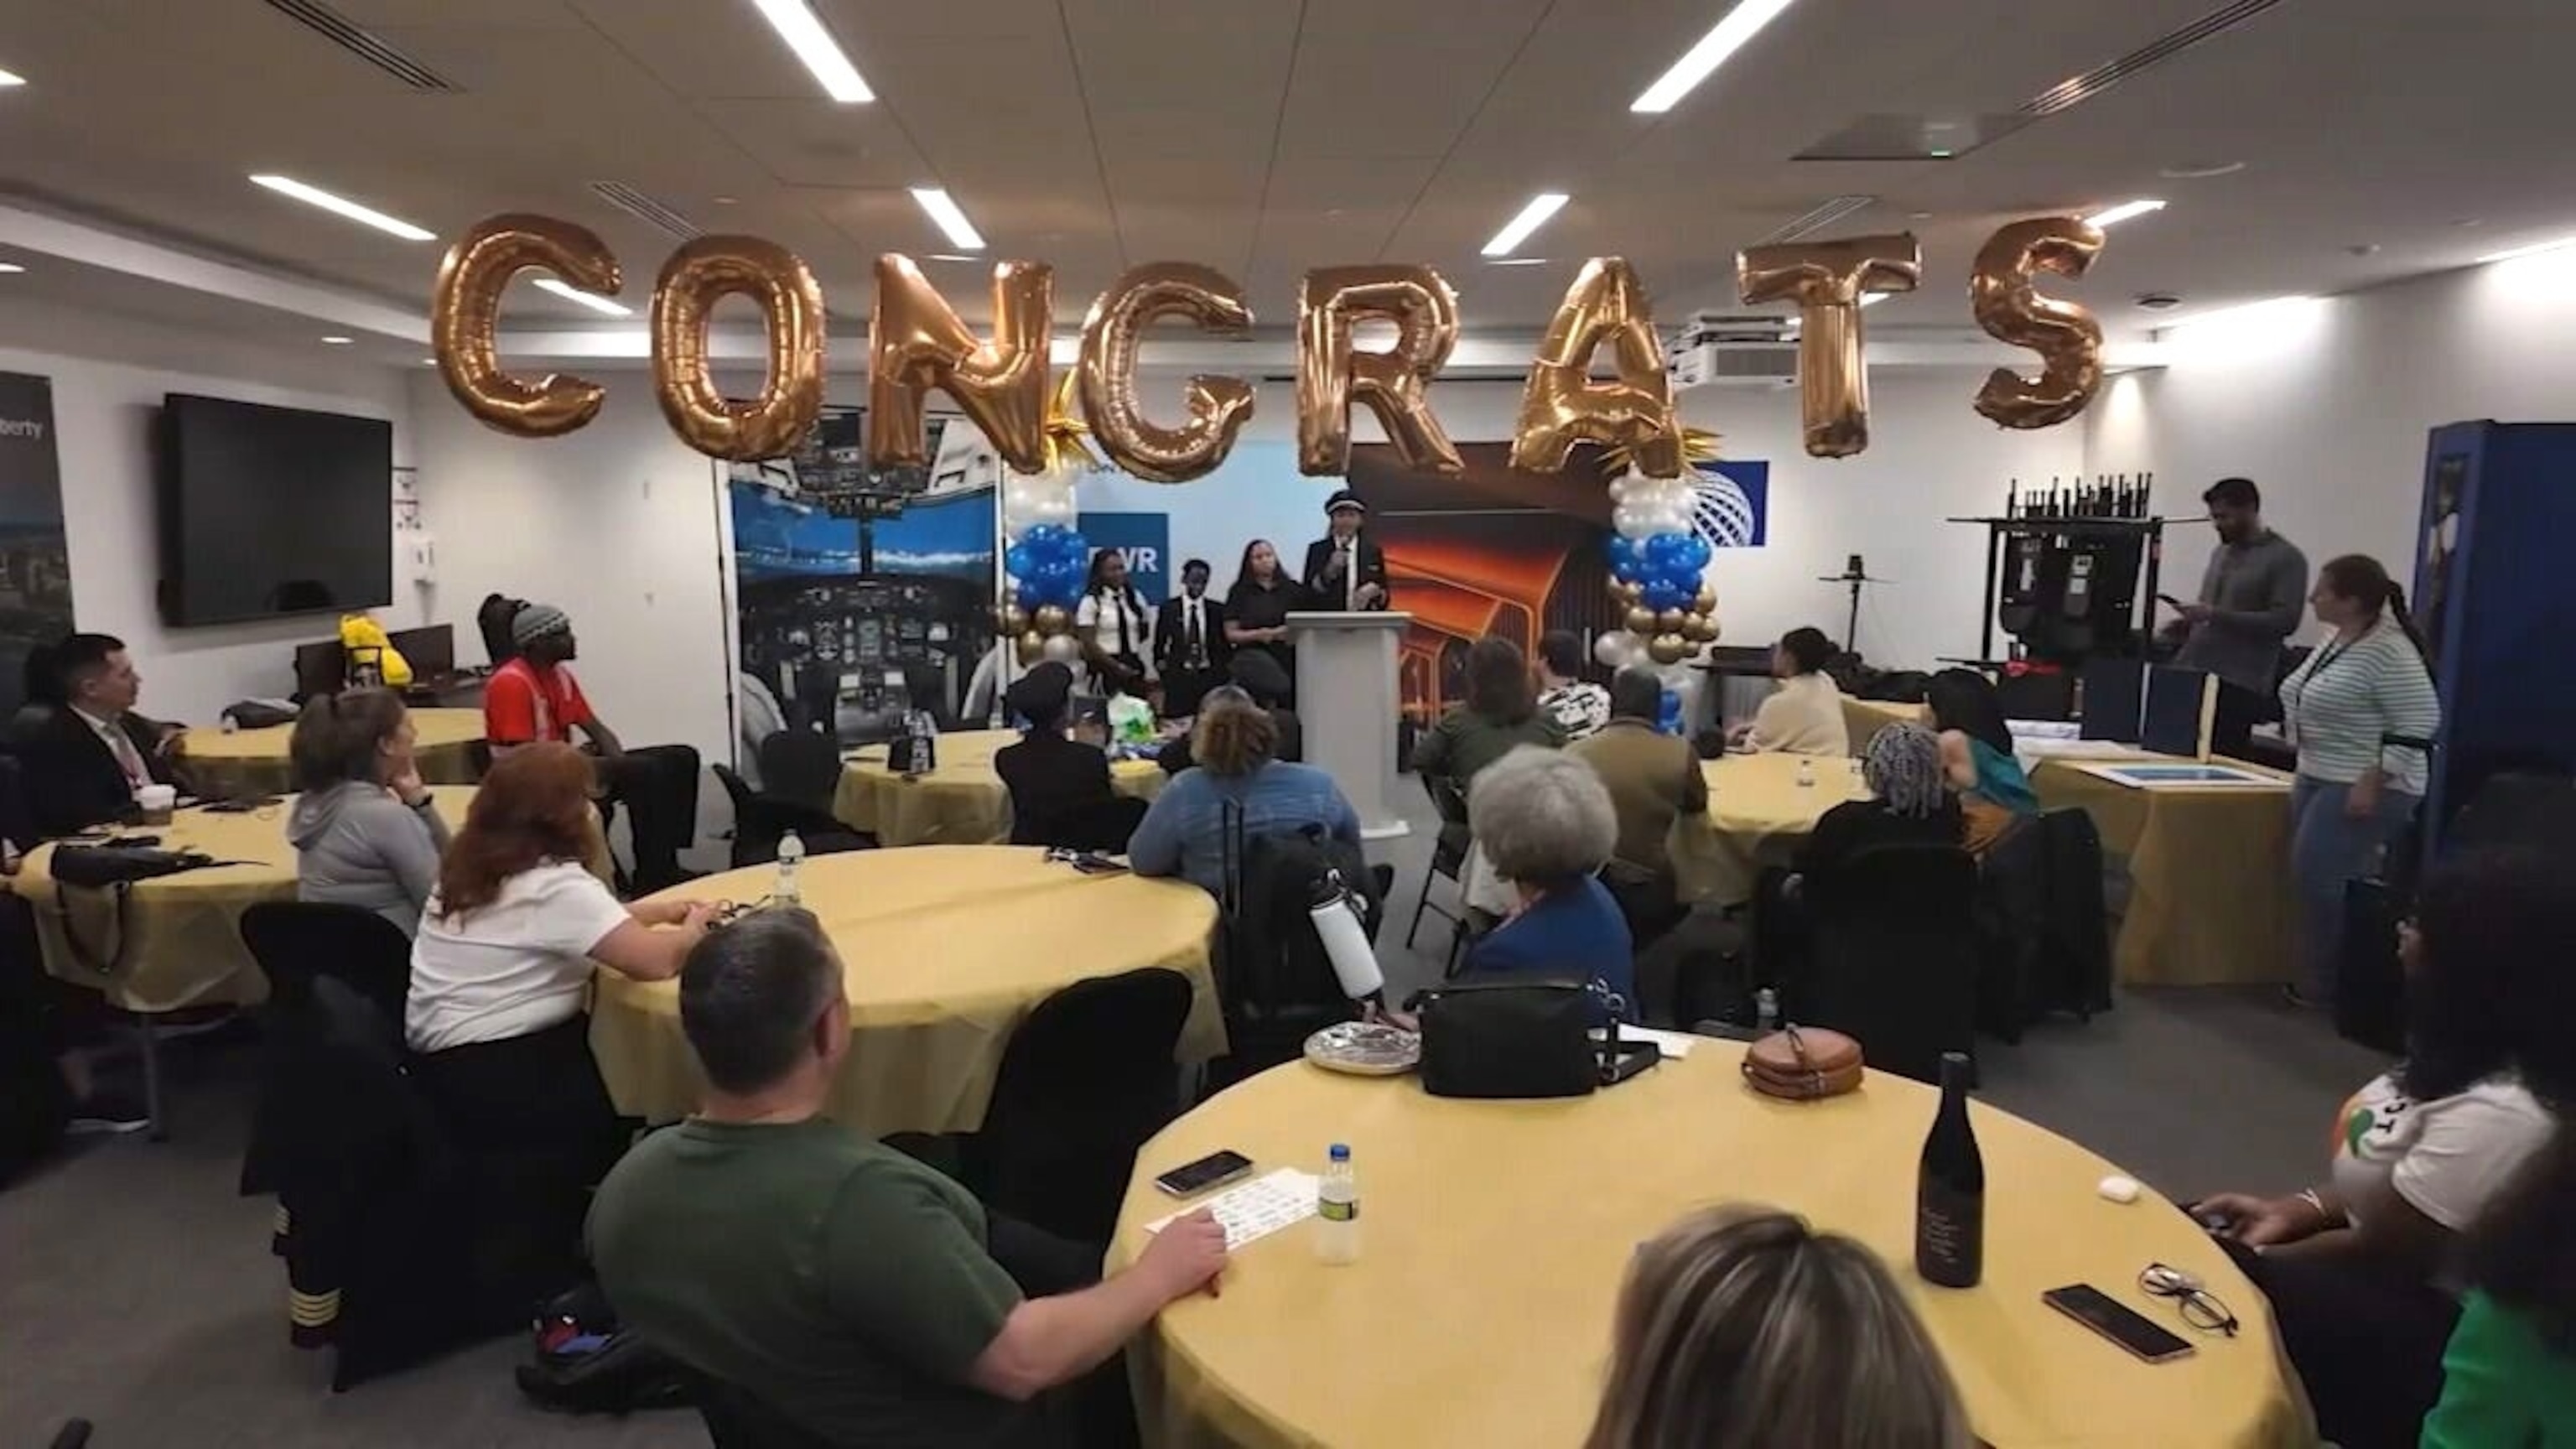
x,y
791,854
1337,1210
1806,773
1766,1011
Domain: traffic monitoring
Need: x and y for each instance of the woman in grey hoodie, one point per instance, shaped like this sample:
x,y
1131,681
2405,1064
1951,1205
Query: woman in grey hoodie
x,y
365,830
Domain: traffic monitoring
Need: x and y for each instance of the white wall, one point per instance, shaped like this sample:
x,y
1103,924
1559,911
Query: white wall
x,y
109,375
2325,404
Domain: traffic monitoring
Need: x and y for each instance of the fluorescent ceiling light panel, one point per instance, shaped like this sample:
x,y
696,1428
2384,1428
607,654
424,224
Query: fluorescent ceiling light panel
x,y
796,24
343,206
1531,218
1872,299
2533,250
7,268
11,78
1724,39
2114,215
592,300
944,210
340,341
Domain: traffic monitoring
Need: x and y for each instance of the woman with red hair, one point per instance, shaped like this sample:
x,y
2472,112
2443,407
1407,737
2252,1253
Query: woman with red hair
x,y
500,985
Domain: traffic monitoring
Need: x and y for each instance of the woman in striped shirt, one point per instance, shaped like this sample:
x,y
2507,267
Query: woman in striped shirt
x,y
2362,712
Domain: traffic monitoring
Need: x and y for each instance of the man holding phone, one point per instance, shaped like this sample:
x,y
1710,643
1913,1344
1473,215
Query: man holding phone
x,y
828,1281
2252,597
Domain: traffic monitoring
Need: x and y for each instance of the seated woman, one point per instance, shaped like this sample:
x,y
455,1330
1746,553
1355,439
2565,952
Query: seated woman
x,y
365,830
1977,756
1236,747
1912,805
500,982
1057,784
1499,715
2509,1374
1739,1325
1804,716
2363,1269
1258,675
1547,827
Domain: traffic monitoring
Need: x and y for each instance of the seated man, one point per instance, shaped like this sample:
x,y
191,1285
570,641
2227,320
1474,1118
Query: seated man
x,y
85,763
534,698
1060,792
1653,779
1805,715
1259,675
840,1285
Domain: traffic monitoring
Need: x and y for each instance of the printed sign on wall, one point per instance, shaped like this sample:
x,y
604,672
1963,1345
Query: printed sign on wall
x,y
35,568
1731,502
1145,539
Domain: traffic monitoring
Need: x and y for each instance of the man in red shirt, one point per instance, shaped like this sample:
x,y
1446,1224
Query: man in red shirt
x,y
535,698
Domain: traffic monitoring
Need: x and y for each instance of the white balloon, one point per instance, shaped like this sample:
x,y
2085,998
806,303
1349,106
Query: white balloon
x,y
1061,648
1632,521
1619,488
1616,649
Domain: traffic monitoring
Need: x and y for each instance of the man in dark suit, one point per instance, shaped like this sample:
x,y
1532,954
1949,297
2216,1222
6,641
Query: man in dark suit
x,y
1189,643
1345,569
85,763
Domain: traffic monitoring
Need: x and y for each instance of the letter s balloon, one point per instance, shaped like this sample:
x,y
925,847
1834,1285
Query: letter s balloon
x,y
2065,335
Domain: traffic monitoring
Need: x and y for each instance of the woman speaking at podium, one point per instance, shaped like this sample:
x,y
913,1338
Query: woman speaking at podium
x,y
1345,569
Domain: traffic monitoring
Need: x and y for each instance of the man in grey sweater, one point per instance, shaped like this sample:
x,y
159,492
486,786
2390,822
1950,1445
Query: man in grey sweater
x,y
2251,599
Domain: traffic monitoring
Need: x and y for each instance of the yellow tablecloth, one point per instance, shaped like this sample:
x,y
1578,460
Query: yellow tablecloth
x,y
1757,814
1864,718
948,949
963,802
254,762
1495,1234
178,942
2210,896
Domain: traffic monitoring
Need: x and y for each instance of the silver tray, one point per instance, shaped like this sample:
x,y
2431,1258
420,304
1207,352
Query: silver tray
x,y
1365,1049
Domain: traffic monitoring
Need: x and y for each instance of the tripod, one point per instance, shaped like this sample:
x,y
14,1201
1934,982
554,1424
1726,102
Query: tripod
x,y
1857,577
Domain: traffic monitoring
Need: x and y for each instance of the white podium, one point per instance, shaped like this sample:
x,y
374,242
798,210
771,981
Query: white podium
x,y
1346,699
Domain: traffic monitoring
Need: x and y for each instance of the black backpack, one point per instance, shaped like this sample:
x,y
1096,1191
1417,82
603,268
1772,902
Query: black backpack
x,y
587,1364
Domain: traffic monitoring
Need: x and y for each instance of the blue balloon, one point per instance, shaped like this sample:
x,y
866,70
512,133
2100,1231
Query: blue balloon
x,y
1030,596
1629,570
1662,594
1698,552
1019,559
1623,550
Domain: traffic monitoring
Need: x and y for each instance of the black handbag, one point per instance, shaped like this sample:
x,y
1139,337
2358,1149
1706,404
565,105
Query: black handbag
x,y
99,866
1522,1038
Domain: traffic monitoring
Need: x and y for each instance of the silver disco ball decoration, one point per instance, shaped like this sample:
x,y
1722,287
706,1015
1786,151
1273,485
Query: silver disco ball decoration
x,y
1720,512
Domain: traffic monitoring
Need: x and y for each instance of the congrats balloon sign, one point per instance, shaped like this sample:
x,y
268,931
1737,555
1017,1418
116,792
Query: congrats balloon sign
x,y
917,344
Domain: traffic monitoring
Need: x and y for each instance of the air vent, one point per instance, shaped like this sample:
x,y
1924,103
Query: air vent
x,y
644,208
1733,364
1817,220
2066,95
341,31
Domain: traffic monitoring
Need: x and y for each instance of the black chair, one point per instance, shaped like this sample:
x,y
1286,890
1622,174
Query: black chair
x,y
802,767
2013,925
1448,862
1892,961
1084,1082
2077,961
1103,825
761,820
1273,979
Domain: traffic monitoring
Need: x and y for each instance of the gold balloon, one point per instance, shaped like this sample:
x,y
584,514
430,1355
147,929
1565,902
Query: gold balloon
x,y
1561,404
2067,339
916,343
1332,375
1705,601
1051,619
1032,648
1011,617
1639,620
697,276
1699,627
1668,649
465,312
1111,336
1826,280
1627,593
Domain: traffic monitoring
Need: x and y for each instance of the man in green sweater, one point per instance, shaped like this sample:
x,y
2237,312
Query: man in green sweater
x,y
832,1281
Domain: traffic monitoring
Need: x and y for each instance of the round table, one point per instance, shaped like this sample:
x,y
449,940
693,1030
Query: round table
x,y
246,763
176,942
1495,1234
948,949
1757,814
963,802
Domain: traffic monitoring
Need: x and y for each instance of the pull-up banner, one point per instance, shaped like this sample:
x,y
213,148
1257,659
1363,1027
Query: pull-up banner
x,y
35,568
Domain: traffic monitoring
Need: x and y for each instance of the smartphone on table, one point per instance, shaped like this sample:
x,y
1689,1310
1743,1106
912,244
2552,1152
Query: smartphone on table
x,y
2118,1322
1214,1170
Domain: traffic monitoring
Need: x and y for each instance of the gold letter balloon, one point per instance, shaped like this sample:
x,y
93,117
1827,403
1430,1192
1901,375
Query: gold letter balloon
x,y
916,343
1826,280
1218,406
2067,339
1332,374
465,311
698,275
1561,405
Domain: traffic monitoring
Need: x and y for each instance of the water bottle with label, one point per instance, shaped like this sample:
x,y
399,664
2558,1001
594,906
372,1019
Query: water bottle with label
x,y
1337,1210
791,854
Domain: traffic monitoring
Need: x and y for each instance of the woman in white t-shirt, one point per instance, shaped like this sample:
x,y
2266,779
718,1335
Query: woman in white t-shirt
x,y
498,1010
1115,628
2363,1268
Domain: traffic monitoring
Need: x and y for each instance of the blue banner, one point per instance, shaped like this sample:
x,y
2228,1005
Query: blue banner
x,y
1145,538
1731,502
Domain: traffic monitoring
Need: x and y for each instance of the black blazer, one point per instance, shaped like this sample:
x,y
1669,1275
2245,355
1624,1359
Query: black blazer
x,y
73,779
1327,593
1050,779
1170,648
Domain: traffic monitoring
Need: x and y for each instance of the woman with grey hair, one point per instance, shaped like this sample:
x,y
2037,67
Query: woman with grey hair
x,y
1547,827
1740,1325
1913,804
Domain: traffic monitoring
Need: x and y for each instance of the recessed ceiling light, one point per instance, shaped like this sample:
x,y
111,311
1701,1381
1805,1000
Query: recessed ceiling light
x,y
2202,170
338,341
592,300
1918,216
1938,153
2533,250
11,78
8,268
343,206
2114,215
796,24
722,200
429,362
950,217
1531,218
1724,39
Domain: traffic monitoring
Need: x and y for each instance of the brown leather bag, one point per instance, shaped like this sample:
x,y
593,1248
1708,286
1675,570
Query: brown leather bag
x,y
1803,1064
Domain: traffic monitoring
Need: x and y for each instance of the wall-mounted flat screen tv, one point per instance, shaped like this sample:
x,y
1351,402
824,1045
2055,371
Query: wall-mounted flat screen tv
x,y
269,511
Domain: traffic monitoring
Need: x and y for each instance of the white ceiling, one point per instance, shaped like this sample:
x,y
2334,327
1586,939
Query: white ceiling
x,y
1267,136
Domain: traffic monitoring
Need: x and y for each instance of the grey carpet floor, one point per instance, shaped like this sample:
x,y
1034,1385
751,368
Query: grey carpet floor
x,y
137,1290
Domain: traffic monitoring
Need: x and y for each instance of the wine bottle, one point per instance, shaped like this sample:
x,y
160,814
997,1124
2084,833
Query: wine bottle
x,y
2012,498
1950,1194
